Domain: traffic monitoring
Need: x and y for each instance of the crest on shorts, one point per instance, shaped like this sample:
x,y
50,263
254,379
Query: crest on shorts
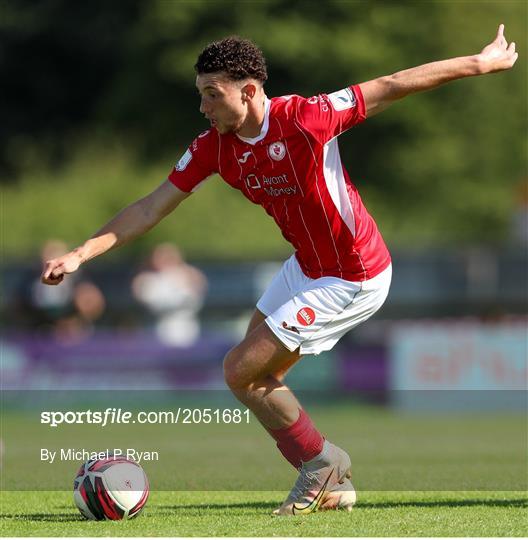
x,y
306,316
277,150
289,327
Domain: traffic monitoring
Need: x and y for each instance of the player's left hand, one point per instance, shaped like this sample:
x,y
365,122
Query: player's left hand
x,y
498,55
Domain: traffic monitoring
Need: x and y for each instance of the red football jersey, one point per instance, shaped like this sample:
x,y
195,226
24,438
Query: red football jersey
x,y
293,169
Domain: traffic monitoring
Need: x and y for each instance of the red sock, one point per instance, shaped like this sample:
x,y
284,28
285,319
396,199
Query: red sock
x,y
299,442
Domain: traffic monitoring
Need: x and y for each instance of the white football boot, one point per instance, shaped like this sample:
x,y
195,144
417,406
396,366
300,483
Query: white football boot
x,y
342,496
323,483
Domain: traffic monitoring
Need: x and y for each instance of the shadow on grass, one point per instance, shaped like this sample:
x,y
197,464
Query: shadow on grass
x,y
58,518
521,503
269,506
220,506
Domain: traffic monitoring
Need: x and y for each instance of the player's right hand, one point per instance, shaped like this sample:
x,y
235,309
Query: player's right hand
x,y
55,270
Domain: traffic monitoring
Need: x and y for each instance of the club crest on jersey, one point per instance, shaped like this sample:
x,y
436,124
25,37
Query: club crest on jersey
x,y
277,150
306,316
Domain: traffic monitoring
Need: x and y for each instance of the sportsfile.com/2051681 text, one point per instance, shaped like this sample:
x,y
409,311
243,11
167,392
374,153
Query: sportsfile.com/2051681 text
x,y
113,415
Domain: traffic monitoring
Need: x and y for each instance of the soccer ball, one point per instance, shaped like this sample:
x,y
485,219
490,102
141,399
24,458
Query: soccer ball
x,y
113,488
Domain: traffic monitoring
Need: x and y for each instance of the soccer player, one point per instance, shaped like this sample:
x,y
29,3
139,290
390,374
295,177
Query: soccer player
x,y
282,154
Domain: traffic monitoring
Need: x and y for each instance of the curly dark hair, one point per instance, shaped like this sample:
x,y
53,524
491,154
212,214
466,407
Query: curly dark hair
x,y
238,57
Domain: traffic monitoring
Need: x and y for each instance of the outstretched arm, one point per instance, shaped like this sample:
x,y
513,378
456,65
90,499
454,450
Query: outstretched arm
x,y
130,223
382,92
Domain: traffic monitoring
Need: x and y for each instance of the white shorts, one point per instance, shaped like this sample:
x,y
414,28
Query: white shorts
x,y
313,314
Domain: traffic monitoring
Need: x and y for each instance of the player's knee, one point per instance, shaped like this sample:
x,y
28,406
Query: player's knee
x,y
232,375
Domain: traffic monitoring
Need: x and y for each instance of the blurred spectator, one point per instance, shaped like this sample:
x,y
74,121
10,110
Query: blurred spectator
x,y
173,291
520,216
68,310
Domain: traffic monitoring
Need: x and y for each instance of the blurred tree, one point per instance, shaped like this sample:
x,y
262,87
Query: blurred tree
x,y
437,167
57,58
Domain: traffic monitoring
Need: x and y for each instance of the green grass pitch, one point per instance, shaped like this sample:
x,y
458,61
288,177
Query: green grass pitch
x,y
416,475
248,514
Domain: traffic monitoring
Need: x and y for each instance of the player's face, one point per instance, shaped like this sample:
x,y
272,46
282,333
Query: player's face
x,y
222,101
